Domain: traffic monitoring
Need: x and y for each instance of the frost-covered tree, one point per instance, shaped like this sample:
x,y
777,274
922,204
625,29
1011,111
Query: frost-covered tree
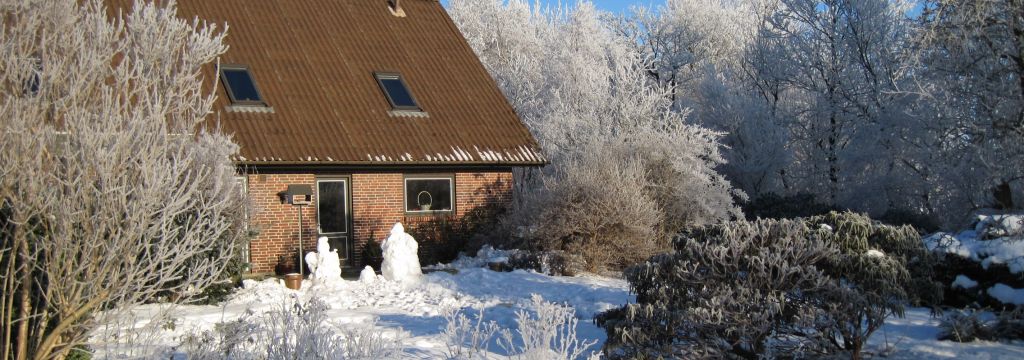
x,y
687,39
841,90
972,67
582,89
113,188
696,48
807,92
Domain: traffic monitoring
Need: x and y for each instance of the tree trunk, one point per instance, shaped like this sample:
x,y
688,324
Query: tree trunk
x,y
833,160
24,298
1003,195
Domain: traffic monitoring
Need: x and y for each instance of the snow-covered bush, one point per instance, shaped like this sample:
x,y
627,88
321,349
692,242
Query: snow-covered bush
x,y
551,262
295,330
597,207
468,339
869,244
963,326
116,188
980,264
969,325
764,288
736,290
544,331
626,168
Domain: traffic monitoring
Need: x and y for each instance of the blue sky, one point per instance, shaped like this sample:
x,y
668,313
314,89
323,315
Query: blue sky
x,y
609,5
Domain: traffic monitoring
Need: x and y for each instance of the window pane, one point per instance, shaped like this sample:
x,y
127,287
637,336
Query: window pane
x,y
399,94
241,84
331,212
428,195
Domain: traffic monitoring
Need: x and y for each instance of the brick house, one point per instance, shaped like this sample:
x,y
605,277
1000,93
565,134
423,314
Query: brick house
x,y
381,109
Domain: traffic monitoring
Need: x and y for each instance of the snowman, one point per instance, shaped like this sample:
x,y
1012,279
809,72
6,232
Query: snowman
x,y
401,263
324,264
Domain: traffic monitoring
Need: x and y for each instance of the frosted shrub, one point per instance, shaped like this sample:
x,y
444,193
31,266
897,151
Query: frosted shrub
x,y
763,288
597,207
968,325
468,339
116,188
299,331
368,342
228,340
548,333
626,167
963,326
738,290
545,331
295,330
899,247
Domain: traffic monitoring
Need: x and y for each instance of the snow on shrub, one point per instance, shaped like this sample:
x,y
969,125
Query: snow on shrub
x,y
990,253
597,207
295,330
626,168
544,331
764,288
465,338
858,235
970,325
1007,294
964,282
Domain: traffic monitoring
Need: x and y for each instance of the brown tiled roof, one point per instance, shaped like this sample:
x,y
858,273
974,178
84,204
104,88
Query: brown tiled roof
x,y
314,63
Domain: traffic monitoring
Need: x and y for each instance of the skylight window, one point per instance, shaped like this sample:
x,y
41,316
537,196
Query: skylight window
x,y
397,93
240,85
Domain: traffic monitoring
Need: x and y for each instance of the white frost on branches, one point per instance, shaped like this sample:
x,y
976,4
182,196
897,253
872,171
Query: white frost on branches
x,y
583,88
114,191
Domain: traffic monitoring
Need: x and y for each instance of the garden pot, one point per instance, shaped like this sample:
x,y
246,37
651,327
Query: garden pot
x,y
293,281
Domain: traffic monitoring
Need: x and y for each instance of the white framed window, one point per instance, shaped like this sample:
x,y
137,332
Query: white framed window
x,y
429,194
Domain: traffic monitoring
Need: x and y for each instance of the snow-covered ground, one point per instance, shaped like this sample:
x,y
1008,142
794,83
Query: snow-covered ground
x,y
416,309
415,312
914,337
994,239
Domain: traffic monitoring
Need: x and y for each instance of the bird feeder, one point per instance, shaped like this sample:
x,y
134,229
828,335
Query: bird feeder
x,y
298,195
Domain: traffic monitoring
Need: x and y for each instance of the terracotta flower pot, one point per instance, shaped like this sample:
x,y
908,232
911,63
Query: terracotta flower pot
x,y
293,281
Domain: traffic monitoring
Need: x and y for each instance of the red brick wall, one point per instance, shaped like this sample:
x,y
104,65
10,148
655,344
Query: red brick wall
x,y
377,204
376,207
478,189
277,223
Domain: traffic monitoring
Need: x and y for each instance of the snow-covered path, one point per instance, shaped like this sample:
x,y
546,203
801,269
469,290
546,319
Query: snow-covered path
x,y
418,311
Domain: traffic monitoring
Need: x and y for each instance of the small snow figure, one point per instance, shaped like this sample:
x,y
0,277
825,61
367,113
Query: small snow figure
x,y
324,264
367,276
400,260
